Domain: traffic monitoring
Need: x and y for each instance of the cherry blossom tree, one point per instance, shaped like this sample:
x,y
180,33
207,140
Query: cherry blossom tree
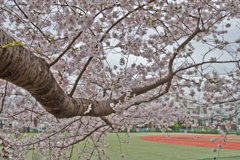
x,y
91,67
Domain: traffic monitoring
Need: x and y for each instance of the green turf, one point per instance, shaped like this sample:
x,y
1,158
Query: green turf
x,y
143,150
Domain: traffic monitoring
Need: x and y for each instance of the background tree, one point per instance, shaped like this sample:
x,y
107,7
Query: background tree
x,y
96,66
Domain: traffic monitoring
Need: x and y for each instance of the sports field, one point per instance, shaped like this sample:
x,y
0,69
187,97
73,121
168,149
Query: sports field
x,y
145,150
140,149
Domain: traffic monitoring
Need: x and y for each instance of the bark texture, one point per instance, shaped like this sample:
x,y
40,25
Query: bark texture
x,y
22,68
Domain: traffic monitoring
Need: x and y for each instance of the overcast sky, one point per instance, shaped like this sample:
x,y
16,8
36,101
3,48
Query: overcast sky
x,y
200,49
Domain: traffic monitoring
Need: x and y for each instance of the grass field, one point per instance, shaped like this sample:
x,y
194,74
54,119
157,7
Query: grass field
x,y
143,150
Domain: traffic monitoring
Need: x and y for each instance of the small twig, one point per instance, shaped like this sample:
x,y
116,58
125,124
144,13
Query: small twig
x,y
199,64
50,151
82,139
107,122
79,77
54,133
68,47
119,20
4,96
31,22
74,140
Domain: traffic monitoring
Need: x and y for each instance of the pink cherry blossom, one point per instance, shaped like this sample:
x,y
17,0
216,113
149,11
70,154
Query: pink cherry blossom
x,y
88,68
214,149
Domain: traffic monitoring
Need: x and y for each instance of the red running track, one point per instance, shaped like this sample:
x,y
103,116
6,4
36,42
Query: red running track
x,y
201,141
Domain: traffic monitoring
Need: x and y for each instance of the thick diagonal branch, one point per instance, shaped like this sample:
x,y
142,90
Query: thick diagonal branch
x,y
22,68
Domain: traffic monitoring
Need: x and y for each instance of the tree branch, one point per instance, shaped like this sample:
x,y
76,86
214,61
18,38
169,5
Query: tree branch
x,y
68,47
32,73
4,96
31,22
114,24
168,78
79,77
199,64
197,30
154,97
